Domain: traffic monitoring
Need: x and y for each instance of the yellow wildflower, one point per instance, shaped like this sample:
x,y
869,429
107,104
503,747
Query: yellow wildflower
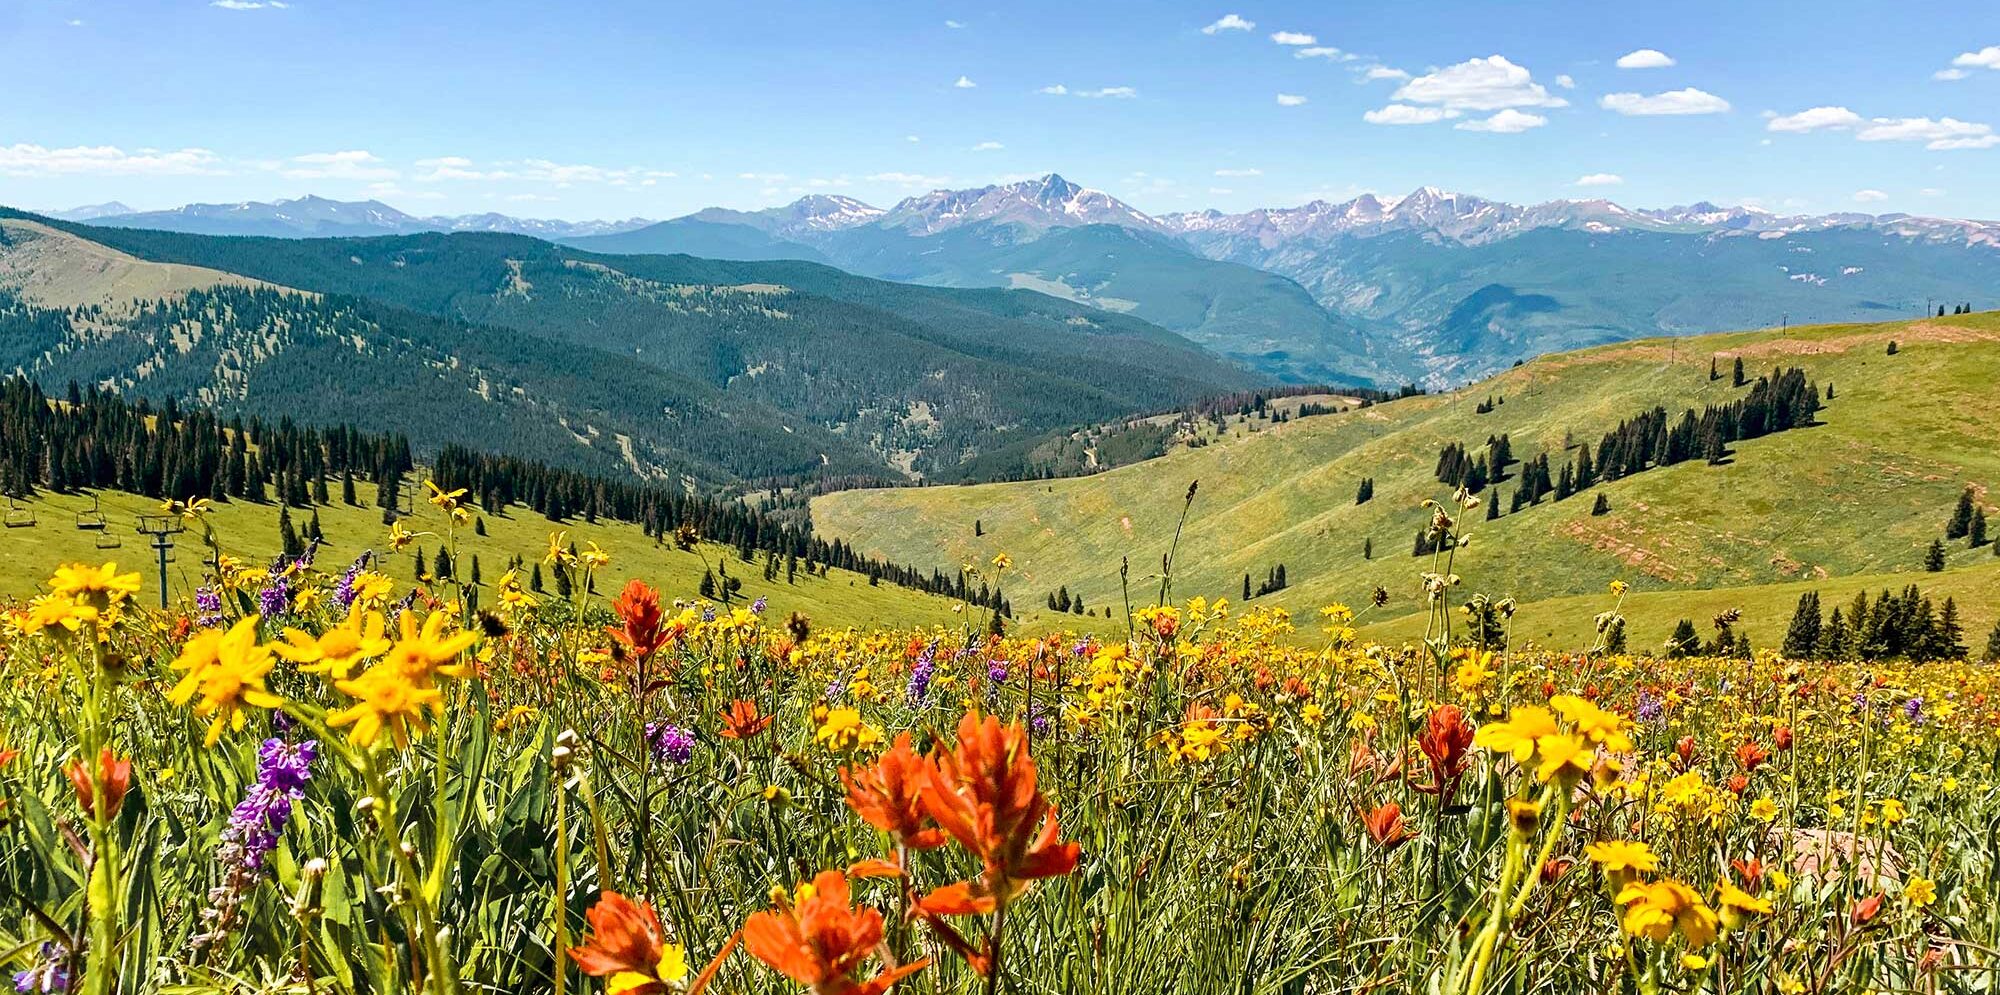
x,y
227,669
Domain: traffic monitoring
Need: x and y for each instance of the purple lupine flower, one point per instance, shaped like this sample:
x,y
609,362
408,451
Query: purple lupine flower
x,y
343,593
50,975
275,599
670,743
1038,720
996,671
708,614
757,606
921,673
1649,708
208,605
1914,709
834,691
255,826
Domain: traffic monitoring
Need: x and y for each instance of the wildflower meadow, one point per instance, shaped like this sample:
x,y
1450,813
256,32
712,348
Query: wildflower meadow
x,y
311,778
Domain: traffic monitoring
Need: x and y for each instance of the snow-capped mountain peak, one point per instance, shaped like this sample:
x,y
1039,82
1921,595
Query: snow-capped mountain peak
x,y
1044,202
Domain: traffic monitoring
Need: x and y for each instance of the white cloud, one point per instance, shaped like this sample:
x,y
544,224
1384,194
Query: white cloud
x,y
1869,196
1326,52
1645,58
249,4
965,83
75,23
1293,38
37,160
1932,192
1566,81
1405,114
1943,134
1383,72
1228,22
954,25
988,147
1114,92
1985,58
1813,119
353,164
1239,172
1220,191
1488,84
1507,122
1054,89
1947,75
1290,100
1599,180
1672,102
909,180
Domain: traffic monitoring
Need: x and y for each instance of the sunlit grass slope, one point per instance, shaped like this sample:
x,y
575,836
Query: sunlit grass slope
x,y
1862,494
250,531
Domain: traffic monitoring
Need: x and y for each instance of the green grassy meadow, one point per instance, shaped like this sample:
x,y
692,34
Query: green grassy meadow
x,y
250,531
1861,495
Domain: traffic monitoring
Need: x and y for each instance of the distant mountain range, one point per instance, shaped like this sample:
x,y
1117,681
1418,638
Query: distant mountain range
x,y
1433,286
318,217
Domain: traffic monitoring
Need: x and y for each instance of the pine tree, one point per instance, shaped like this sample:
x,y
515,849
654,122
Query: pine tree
x,y
1365,491
1951,633
1367,550
1960,523
479,526
1976,535
1493,506
535,579
1934,558
1683,641
1892,347
313,530
442,567
475,570
288,537
1603,505
1993,644
707,588
1802,638
1832,644
1713,373
347,488
1736,379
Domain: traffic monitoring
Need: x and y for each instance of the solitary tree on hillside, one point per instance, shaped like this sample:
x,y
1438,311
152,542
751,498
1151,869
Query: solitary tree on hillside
x,y
1993,644
1934,557
1365,491
1976,536
1603,505
1683,641
1960,524
1737,378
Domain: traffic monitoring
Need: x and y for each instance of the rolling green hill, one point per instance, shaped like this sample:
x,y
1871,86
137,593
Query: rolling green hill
x,y
864,377
1862,493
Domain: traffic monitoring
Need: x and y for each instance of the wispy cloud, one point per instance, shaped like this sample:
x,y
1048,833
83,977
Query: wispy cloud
x,y
1870,196
1941,135
1228,22
1814,119
1507,122
1326,52
352,164
1383,72
988,146
1672,102
1406,114
1293,38
1239,172
37,160
1291,100
954,25
965,83
1054,89
1566,81
249,4
1599,180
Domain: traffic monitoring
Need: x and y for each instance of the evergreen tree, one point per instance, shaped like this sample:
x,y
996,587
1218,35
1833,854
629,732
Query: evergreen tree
x,y
1367,551
1832,644
1892,347
1976,535
347,488
1960,523
442,567
1934,558
1493,506
479,526
564,586
707,587
1713,373
288,537
1803,637
1737,379
1365,491
313,530
1683,641
1951,633
475,570
535,579
1246,587
1993,644
1603,505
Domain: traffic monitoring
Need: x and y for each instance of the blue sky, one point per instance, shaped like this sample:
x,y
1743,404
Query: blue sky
x,y
618,109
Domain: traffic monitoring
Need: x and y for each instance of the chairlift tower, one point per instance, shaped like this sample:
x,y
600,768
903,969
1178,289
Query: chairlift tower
x,y
162,528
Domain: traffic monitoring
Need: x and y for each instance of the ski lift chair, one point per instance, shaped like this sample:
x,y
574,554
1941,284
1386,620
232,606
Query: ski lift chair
x,y
17,516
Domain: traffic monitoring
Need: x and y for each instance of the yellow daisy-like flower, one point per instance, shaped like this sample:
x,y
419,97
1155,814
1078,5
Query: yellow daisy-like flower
x,y
98,585
1920,892
1737,903
371,588
447,500
1002,561
559,549
1764,810
1655,909
385,698
423,653
400,537
841,730
1564,757
1605,728
56,611
1517,735
337,651
594,556
672,969
1623,856
227,669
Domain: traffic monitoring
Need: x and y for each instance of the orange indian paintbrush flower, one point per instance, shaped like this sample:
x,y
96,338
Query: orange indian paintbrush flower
x,y
888,795
984,795
819,940
741,720
627,948
644,631
1385,826
113,774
